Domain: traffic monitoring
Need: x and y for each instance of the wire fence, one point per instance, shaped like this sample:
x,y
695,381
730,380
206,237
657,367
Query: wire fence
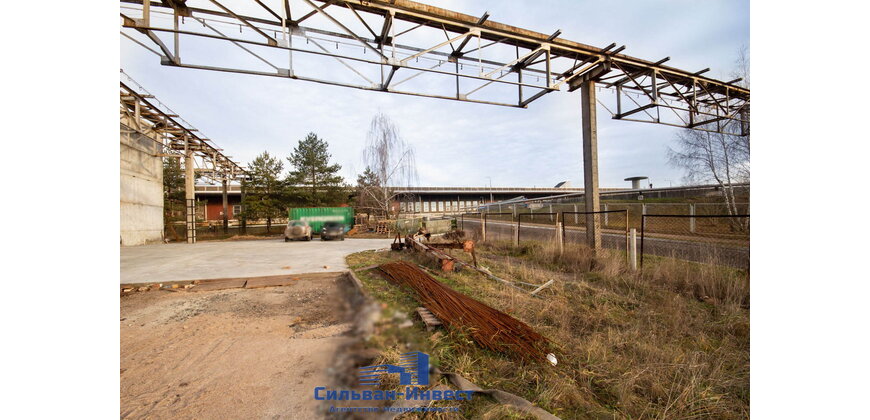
x,y
535,232
500,230
614,229
717,239
687,234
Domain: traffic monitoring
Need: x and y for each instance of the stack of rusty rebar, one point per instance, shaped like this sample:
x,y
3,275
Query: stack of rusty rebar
x,y
488,327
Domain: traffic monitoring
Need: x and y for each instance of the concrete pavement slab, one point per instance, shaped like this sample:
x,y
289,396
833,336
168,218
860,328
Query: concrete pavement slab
x,y
237,259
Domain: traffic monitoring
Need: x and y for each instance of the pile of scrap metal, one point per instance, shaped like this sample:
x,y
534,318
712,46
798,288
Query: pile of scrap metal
x,y
448,263
436,249
488,327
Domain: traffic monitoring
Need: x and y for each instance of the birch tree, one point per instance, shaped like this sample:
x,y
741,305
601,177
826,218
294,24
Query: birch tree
x,y
390,163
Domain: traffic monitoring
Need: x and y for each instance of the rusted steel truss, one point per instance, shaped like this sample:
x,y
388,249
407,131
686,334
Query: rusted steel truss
x,y
410,48
143,113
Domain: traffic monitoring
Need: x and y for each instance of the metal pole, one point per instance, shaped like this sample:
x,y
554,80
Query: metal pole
x,y
626,229
632,253
590,164
642,226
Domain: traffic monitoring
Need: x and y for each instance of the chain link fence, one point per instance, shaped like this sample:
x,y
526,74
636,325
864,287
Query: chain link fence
x,y
700,232
614,229
717,239
539,227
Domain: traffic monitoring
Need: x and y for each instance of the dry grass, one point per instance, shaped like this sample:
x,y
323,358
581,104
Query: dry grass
x,y
631,345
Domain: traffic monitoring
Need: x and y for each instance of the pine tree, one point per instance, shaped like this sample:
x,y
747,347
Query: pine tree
x,y
265,195
314,181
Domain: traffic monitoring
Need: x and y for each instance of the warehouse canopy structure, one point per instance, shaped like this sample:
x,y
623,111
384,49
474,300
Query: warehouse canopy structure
x,y
143,114
405,47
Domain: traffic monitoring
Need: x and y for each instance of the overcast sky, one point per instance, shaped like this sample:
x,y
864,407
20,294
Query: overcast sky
x,y
456,143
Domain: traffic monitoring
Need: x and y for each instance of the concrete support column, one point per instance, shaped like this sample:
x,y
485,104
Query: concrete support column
x,y
190,197
226,210
590,163
243,221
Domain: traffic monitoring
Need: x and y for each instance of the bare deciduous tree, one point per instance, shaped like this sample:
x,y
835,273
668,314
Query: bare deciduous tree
x,y
722,158
390,163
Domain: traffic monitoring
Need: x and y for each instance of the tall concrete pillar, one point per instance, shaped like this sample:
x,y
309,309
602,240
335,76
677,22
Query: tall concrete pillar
x,y
226,214
590,163
190,197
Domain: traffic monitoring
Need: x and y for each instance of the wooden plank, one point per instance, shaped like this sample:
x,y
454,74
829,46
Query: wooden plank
x,y
209,285
428,318
271,281
542,287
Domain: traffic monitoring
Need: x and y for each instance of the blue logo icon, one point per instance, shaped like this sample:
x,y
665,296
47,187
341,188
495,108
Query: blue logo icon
x,y
413,370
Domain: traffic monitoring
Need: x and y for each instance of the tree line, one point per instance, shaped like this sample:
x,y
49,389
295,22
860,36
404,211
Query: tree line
x,y
312,181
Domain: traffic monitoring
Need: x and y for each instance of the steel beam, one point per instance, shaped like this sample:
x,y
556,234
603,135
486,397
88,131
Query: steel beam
x,y
693,98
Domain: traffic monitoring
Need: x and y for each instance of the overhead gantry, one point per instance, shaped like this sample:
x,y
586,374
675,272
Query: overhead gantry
x,y
142,113
411,48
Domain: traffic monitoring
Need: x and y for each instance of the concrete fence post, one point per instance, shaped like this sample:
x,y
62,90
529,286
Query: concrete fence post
x,y
517,232
560,237
483,226
576,216
632,252
692,219
606,219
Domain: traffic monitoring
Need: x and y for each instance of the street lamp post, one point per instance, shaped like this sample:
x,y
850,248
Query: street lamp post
x,y
490,190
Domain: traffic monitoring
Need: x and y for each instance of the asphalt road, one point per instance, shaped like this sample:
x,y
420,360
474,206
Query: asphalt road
x,y
734,256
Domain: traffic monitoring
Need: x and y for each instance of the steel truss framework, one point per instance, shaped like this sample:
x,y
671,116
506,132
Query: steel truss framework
x,y
145,114
389,44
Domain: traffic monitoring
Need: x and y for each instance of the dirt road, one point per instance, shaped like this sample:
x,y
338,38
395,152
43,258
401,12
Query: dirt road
x,y
236,353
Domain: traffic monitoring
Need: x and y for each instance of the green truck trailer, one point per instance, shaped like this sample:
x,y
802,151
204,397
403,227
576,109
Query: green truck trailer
x,y
316,216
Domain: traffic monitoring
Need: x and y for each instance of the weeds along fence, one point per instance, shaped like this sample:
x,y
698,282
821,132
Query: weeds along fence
x,y
719,239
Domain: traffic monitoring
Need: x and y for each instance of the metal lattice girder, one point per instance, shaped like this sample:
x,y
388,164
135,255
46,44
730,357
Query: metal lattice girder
x,y
140,112
404,47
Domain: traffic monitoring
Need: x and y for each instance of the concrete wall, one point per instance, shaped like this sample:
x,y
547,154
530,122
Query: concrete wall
x,y
141,189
